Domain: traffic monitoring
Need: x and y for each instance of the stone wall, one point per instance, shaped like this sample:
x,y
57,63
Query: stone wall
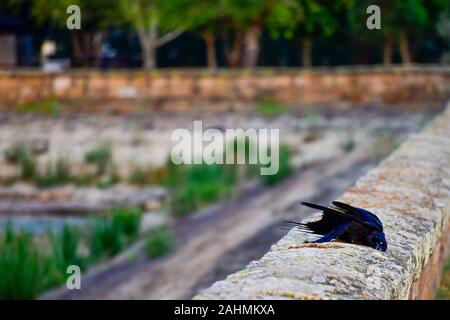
x,y
188,88
410,192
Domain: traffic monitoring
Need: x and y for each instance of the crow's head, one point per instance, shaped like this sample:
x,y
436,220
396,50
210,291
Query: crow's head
x,y
377,240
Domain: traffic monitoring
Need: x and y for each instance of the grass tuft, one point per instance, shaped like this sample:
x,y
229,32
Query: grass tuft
x,y
159,243
24,270
100,157
49,107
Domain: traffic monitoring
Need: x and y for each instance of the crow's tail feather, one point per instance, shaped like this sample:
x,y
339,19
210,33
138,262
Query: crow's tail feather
x,y
298,226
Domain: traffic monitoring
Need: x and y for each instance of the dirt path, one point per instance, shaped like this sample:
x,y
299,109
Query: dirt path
x,y
234,234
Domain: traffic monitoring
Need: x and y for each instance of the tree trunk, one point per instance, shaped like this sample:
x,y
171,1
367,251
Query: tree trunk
x,y
97,42
404,48
388,49
209,39
149,57
86,46
148,48
307,52
251,48
76,48
234,55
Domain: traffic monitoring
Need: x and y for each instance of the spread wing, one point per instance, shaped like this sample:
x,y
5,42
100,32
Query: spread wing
x,y
332,219
363,216
340,221
336,216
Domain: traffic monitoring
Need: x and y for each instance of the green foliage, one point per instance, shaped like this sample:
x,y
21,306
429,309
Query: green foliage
x,y
444,288
24,270
65,250
105,239
284,167
108,182
153,176
27,166
82,179
245,12
138,176
27,268
305,18
199,185
112,233
16,152
100,157
200,16
56,174
95,14
270,108
159,242
348,143
48,107
22,155
127,221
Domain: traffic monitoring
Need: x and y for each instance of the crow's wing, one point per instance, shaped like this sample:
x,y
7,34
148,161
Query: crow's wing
x,y
365,217
331,220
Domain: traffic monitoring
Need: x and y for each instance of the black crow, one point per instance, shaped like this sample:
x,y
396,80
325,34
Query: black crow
x,y
346,223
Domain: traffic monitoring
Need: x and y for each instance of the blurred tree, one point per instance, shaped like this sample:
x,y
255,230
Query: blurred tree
x,y
87,42
246,20
156,23
306,19
398,20
439,17
205,18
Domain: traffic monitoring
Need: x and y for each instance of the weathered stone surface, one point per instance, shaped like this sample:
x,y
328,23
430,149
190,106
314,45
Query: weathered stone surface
x,y
182,90
410,192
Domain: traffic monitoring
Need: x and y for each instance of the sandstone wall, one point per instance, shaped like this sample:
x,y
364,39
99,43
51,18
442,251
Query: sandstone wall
x,y
410,192
188,88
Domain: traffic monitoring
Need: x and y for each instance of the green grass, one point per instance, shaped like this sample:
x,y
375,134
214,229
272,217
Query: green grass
x,y
444,289
271,108
56,174
49,107
105,239
138,176
65,247
284,167
159,243
127,221
27,164
17,151
29,267
24,271
112,233
21,155
348,143
198,185
195,186
100,157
